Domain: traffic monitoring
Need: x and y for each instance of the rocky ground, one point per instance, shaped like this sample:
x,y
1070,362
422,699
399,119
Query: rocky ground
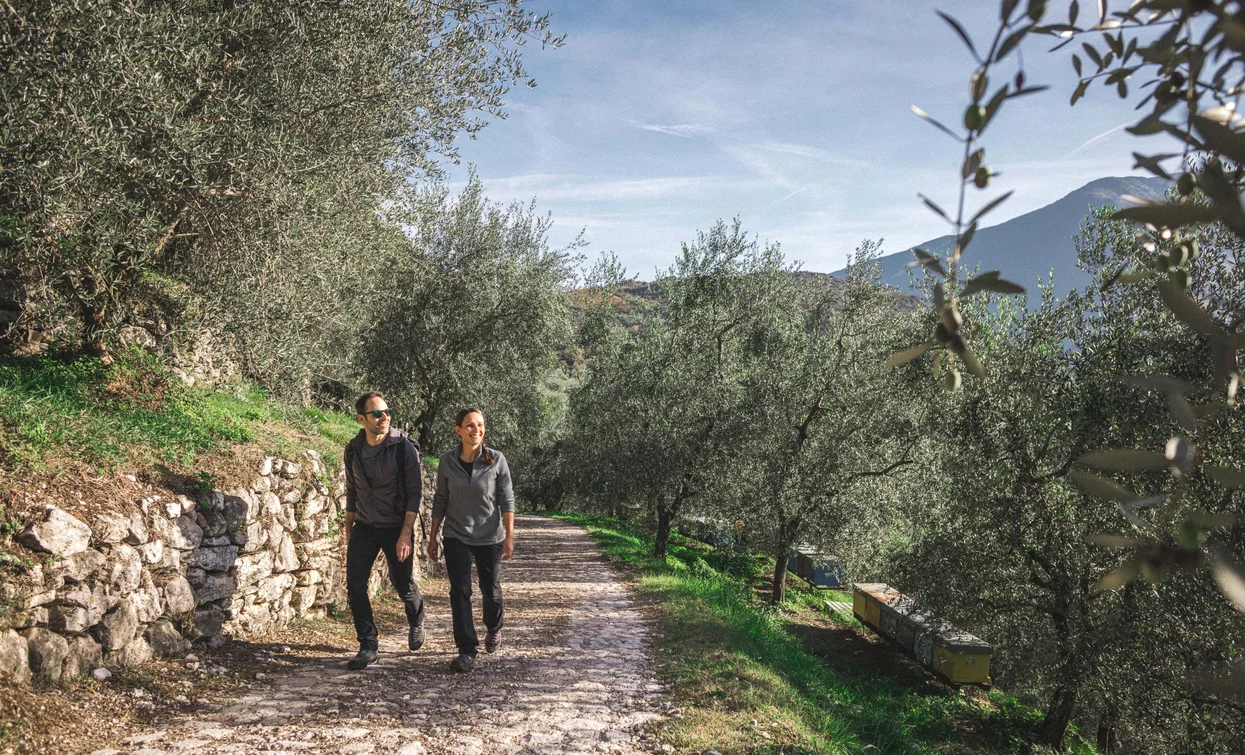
x,y
572,675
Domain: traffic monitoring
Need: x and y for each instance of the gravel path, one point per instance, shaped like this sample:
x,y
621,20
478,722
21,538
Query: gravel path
x,y
571,676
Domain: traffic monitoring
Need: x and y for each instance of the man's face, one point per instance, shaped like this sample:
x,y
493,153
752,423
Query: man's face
x,y
371,423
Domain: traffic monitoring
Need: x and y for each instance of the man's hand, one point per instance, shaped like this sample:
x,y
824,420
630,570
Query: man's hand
x,y
404,544
507,547
432,548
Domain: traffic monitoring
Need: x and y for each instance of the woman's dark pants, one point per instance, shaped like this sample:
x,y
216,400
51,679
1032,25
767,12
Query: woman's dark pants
x,y
365,543
458,557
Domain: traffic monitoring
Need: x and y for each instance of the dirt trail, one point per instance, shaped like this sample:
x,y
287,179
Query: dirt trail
x,y
573,675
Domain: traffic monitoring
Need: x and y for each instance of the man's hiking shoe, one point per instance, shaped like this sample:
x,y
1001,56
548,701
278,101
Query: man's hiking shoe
x,y
361,661
462,664
415,640
492,640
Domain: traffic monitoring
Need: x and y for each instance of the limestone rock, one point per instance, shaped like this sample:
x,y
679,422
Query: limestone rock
x,y
138,533
292,497
215,586
209,621
252,568
235,511
14,657
84,654
123,570
286,557
171,560
182,533
110,528
165,641
308,577
178,596
303,599
47,651
290,469
119,627
265,468
78,567
269,505
147,603
60,533
252,538
215,542
271,589
214,559
68,618
313,504
188,506
136,653
153,552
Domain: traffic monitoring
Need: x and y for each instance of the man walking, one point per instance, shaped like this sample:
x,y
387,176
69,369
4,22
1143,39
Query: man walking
x,y
383,489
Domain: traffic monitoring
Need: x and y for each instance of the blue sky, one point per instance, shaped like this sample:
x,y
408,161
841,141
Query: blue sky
x,y
658,118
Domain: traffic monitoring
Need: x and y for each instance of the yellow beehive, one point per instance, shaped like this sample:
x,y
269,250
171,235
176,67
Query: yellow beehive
x,y
952,654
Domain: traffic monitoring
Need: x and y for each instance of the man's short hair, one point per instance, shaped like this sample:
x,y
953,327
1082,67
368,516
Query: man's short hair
x,y
360,404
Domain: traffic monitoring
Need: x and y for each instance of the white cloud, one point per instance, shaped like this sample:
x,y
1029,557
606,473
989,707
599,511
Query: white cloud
x,y
682,130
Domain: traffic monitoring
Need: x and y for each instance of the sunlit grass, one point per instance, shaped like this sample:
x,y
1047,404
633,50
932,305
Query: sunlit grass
x,y
747,684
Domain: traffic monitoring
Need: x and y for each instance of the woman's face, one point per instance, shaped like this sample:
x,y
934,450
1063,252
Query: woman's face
x,y
471,431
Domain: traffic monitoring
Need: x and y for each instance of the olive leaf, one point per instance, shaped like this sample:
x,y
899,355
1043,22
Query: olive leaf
x,y
1130,508
935,123
1228,477
1102,487
971,363
990,206
1166,215
907,355
1229,578
1119,577
925,259
1188,311
990,281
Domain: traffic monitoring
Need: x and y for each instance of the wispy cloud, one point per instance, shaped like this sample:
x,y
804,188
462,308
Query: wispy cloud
x,y
1096,139
812,153
548,187
681,130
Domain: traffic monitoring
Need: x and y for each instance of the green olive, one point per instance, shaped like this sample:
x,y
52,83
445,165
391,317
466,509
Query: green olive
x,y
981,179
1037,8
1163,263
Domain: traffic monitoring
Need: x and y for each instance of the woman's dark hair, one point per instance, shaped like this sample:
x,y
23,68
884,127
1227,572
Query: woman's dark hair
x,y
360,404
458,422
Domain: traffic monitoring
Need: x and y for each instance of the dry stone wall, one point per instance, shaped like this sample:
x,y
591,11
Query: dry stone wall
x,y
151,578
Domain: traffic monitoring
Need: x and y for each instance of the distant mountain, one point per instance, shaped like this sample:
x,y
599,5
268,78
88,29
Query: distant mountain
x,y
1030,246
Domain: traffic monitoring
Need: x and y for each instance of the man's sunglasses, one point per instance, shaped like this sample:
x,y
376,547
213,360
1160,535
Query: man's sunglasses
x,y
378,413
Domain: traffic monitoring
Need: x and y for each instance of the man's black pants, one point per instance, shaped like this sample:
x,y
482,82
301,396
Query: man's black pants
x,y
365,542
458,558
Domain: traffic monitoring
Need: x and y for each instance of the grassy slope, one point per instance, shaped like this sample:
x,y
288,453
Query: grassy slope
x,y
749,680
81,419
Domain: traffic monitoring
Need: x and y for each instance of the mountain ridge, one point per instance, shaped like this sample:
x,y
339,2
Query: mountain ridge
x,y
1033,246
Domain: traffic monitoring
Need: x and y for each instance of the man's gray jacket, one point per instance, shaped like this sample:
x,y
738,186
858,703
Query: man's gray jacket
x,y
383,488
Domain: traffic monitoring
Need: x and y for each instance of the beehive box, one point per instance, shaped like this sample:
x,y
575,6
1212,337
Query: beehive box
x,y
949,652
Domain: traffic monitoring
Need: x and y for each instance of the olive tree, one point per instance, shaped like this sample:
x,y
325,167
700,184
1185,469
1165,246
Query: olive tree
x,y
144,139
659,411
472,311
822,411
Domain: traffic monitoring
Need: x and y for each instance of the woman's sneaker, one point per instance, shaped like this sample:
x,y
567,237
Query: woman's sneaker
x,y
492,640
462,664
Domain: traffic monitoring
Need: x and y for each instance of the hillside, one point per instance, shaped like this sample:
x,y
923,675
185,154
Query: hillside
x,y
1029,247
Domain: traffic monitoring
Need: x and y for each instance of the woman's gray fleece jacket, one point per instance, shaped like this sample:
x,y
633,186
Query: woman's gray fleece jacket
x,y
471,509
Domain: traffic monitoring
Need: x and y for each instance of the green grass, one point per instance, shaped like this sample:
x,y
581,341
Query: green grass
x,y
134,415
740,673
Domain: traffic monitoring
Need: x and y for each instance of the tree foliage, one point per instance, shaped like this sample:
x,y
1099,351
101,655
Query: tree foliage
x,y
211,142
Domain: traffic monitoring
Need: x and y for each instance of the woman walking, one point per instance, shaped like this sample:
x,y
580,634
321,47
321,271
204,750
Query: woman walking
x,y
475,501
